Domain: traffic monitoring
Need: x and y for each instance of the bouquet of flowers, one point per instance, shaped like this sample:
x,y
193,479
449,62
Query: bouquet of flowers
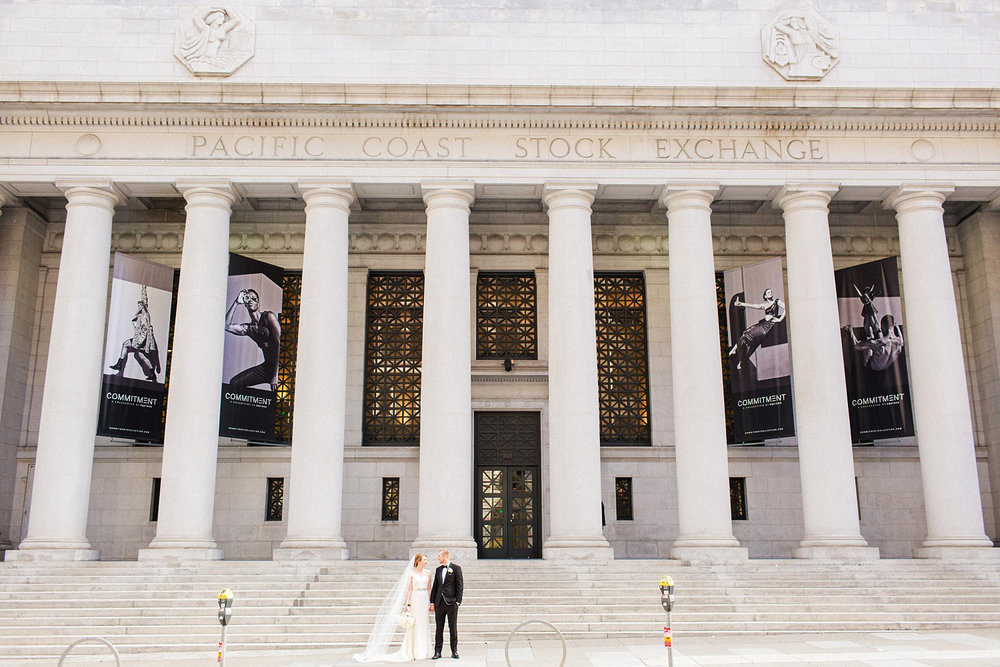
x,y
405,619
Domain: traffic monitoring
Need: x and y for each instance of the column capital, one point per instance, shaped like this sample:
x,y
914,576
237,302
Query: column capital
x,y
458,194
805,195
322,193
93,191
918,196
676,196
208,193
558,195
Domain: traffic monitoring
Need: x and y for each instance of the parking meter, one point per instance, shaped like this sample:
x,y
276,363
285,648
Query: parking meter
x,y
225,606
667,593
667,601
225,613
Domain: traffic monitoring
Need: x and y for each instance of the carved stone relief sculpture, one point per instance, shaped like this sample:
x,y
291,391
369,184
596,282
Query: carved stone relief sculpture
x,y
800,45
214,40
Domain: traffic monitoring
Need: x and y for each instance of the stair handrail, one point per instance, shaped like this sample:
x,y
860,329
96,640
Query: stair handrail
x,y
506,648
102,640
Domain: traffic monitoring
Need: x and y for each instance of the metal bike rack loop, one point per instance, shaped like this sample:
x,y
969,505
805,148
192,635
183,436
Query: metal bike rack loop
x,y
506,648
100,640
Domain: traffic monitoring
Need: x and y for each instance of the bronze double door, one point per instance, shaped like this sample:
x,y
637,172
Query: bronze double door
x,y
508,460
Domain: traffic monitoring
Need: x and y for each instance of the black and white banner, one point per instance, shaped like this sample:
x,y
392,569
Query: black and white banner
x,y
253,344
871,320
135,350
758,353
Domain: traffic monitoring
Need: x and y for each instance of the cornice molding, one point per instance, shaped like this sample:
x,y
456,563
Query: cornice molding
x,y
407,120
280,105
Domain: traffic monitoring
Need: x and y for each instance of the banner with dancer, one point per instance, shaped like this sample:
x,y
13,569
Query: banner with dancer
x,y
871,320
132,388
253,343
759,364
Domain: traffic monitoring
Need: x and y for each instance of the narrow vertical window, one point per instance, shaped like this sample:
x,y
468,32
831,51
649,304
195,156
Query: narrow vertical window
x,y
393,345
275,498
738,498
622,358
390,499
623,498
154,500
857,496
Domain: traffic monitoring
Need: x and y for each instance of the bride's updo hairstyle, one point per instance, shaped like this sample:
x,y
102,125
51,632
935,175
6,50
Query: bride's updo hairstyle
x,y
418,558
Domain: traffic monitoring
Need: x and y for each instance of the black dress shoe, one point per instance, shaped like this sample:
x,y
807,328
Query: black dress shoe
x,y
455,656
435,656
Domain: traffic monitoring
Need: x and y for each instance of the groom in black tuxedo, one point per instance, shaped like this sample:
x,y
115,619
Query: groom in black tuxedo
x,y
446,596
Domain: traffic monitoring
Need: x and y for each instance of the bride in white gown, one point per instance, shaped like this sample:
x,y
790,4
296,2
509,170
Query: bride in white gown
x,y
411,593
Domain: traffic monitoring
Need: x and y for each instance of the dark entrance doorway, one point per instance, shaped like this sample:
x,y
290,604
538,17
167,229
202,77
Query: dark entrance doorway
x,y
508,459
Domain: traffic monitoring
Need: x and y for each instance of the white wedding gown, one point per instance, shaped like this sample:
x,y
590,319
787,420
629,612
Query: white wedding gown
x,y
417,639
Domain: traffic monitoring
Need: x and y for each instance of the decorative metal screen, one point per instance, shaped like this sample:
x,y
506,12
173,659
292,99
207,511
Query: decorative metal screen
x,y
393,331
622,358
738,498
727,392
390,499
623,498
506,321
291,286
275,498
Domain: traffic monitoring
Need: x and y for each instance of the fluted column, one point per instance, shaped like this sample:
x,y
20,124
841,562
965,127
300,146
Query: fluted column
x,y
316,485
446,465
832,529
60,497
704,511
191,441
941,414
574,470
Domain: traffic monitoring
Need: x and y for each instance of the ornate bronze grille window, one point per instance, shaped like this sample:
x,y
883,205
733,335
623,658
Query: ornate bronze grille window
x,y
622,358
275,498
166,363
291,286
506,316
738,498
390,499
393,331
623,498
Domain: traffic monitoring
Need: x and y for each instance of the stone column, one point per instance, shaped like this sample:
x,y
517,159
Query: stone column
x,y
60,497
574,470
941,414
316,484
823,427
191,441
704,512
446,503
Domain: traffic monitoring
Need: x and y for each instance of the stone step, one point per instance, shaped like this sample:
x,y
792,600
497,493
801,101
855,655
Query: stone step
x,y
143,608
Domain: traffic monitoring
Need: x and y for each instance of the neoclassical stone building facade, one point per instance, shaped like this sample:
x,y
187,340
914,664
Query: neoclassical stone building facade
x,y
502,233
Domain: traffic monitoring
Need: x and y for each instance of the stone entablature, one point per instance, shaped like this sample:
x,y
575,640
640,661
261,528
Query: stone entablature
x,y
516,239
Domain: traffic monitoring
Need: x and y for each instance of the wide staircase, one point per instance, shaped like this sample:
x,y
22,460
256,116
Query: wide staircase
x,y
142,608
